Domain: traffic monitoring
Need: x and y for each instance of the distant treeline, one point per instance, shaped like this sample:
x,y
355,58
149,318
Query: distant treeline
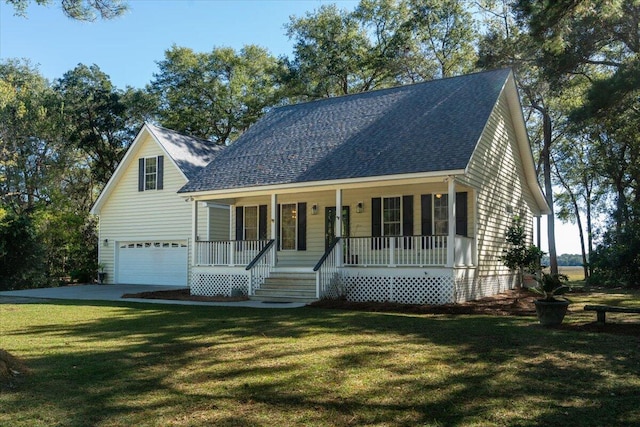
x,y
565,260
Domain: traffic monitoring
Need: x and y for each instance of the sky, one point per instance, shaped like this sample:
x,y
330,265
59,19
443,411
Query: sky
x,y
128,48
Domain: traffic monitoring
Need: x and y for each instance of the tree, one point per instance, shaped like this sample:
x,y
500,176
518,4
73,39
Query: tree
x,y
99,119
216,95
599,40
29,151
505,44
381,43
82,10
445,32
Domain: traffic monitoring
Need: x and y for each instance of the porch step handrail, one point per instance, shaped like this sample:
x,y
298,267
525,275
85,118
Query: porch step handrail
x,y
260,255
326,269
326,254
261,266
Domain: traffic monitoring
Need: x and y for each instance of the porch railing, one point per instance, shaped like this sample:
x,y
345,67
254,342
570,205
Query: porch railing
x,y
326,269
261,266
227,252
396,251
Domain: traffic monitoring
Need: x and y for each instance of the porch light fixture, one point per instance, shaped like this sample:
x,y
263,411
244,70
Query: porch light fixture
x,y
314,209
360,207
105,242
438,196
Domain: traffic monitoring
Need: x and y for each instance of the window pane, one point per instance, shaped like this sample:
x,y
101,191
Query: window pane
x,y
441,214
288,226
391,216
251,223
150,173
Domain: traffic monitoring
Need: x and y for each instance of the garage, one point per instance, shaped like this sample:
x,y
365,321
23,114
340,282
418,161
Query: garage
x,y
152,263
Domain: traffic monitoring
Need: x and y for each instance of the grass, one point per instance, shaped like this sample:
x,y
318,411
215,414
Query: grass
x,y
113,364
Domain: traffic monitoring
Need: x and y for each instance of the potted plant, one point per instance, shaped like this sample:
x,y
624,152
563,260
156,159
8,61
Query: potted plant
x,y
551,309
102,275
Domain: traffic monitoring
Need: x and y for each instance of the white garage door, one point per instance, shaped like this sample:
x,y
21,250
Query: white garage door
x,y
152,263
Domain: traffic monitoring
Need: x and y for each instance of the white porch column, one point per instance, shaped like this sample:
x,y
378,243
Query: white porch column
x,y
274,209
452,222
194,232
338,229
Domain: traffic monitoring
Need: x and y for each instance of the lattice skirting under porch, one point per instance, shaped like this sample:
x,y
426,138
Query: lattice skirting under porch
x,y
406,288
469,288
208,284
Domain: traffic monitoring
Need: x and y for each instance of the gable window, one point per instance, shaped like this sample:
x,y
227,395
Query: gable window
x,y
288,226
150,173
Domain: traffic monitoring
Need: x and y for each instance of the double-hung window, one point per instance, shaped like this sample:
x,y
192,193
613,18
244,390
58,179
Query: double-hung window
x,y
391,216
150,173
250,223
288,226
441,214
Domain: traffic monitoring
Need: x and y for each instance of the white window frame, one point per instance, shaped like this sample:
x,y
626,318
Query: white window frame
x,y
382,221
434,220
244,220
154,174
295,212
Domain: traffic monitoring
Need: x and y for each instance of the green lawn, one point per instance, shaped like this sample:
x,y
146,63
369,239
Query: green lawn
x,y
111,364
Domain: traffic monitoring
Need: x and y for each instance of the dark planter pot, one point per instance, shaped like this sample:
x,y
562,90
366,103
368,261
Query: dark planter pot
x,y
102,276
551,313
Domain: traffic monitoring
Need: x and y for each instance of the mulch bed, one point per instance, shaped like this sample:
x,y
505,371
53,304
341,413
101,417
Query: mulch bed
x,y
183,295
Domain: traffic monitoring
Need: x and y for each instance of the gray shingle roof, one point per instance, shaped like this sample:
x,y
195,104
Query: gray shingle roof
x,y
431,126
189,153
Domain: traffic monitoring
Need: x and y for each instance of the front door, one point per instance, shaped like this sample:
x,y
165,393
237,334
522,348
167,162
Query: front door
x,y
330,224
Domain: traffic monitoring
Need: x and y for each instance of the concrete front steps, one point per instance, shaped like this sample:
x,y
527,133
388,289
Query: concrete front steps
x,y
287,285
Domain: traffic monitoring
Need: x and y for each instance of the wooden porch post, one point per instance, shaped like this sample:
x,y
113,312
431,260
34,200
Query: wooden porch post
x,y
452,222
274,228
338,229
194,232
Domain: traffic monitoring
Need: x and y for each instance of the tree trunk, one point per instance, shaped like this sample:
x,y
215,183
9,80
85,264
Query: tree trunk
x,y
546,162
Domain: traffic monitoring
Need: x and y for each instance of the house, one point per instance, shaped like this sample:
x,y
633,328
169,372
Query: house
x,y
145,227
401,194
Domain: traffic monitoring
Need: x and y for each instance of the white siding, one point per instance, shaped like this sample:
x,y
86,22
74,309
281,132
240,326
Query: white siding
x,y
496,170
132,215
360,223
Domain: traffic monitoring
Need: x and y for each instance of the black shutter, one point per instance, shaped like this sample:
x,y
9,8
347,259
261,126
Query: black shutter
x,y
407,215
461,214
407,219
262,222
239,223
302,226
376,222
140,174
426,217
277,236
160,171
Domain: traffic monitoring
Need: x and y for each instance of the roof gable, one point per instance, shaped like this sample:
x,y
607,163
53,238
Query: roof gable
x,y
187,154
426,127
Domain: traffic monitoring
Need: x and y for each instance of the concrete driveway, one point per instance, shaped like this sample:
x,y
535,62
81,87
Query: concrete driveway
x,y
115,292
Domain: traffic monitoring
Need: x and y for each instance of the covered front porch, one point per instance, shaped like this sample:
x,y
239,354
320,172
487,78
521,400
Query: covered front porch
x,y
407,241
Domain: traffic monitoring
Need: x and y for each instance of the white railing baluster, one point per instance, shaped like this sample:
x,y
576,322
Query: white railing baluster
x,y
404,250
